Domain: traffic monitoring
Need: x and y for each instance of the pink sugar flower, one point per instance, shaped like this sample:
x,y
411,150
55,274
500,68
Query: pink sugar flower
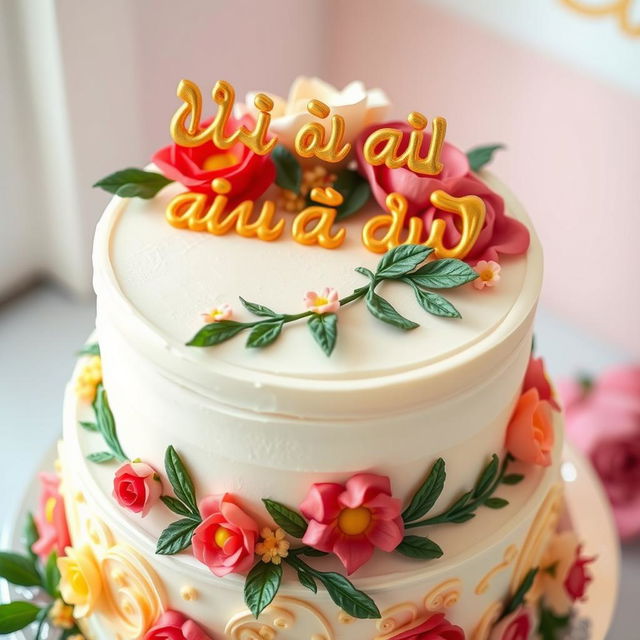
x,y
173,625
218,314
225,540
536,377
350,520
325,302
137,487
51,521
488,272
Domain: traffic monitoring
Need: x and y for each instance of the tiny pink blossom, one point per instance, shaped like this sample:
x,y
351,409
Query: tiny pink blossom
x,y
488,272
327,301
218,314
137,487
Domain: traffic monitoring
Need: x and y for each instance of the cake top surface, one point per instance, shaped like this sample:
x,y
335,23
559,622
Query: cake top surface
x,y
175,261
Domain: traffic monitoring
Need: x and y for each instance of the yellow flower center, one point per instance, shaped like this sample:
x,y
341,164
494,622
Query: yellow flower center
x,y
221,536
220,161
353,522
486,275
79,584
49,508
320,301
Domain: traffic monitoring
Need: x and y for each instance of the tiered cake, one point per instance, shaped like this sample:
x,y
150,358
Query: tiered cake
x,y
333,463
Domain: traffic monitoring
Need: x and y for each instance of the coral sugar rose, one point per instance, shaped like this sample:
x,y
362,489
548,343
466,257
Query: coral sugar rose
x,y
248,173
353,519
137,487
226,539
519,625
530,434
436,627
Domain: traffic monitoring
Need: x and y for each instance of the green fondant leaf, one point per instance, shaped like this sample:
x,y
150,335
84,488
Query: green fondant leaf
x,y
324,328
428,493
19,569
487,477
288,519
383,310
288,169
463,517
175,505
264,334
519,595
495,503
258,309
354,189
366,272
313,553
51,576
261,586
401,260
307,581
419,547
443,274
101,456
30,536
180,480
551,626
355,602
106,424
88,426
513,478
216,333
90,349
17,615
176,537
433,303
461,502
480,156
41,618
133,183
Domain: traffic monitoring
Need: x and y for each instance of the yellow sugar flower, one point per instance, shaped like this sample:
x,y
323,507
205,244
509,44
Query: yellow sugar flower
x,y
89,379
273,547
80,580
61,615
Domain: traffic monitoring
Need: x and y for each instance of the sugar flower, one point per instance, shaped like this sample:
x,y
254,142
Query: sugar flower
x,y
51,520
225,540
89,379
218,314
518,625
488,274
80,580
61,615
327,301
530,434
563,577
536,376
358,106
350,520
435,627
173,625
137,487
273,547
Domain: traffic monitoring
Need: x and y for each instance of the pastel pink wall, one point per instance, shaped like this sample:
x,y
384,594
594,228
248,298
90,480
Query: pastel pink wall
x,y
573,142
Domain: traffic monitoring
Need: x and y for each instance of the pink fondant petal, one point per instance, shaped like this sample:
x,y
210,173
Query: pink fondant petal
x,y
384,507
321,503
363,487
352,552
385,534
320,536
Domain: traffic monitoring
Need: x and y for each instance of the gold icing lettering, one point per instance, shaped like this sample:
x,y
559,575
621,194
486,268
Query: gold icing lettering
x,y
383,146
223,94
310,139
324,216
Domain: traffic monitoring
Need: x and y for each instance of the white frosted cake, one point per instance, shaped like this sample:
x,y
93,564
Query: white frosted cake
x,y
355,442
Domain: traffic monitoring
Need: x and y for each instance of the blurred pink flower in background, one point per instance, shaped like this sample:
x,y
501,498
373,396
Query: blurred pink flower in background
x,y
603,420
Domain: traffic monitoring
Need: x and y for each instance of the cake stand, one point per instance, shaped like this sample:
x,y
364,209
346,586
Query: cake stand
x,y
587,504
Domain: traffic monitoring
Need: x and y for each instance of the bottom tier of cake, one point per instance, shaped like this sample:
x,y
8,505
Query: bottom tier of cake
x,y
485,562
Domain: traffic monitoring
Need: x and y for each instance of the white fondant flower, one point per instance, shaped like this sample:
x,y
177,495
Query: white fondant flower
x,y
488,272
358,106
327,301
218,314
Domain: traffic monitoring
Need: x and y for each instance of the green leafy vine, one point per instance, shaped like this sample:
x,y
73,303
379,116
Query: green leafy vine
x,y
401,264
